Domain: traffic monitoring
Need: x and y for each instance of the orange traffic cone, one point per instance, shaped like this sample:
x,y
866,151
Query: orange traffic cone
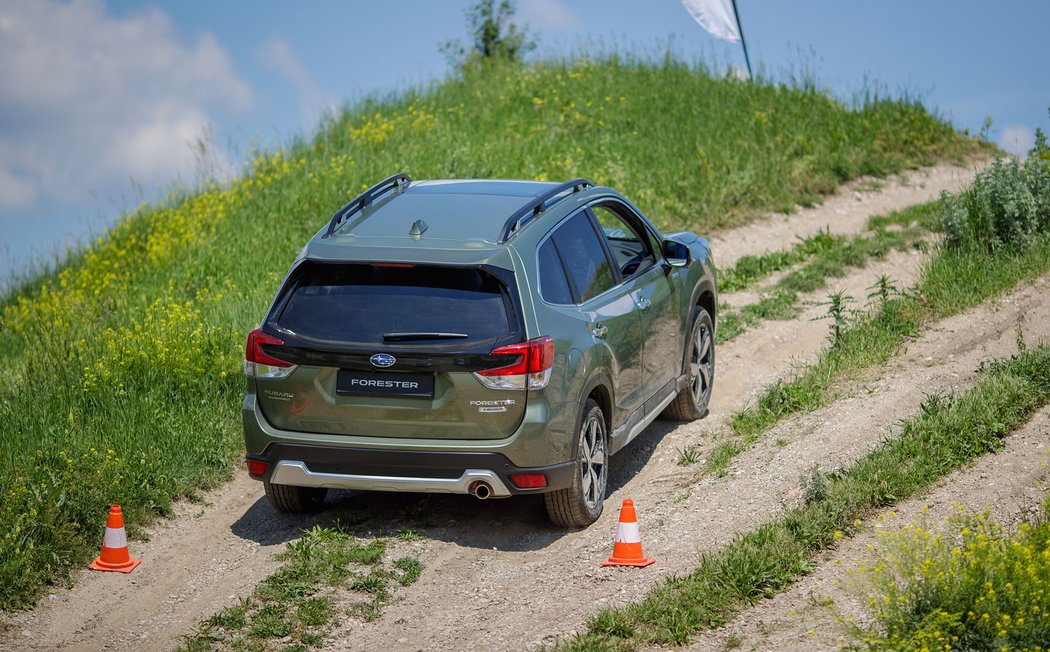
x,y
627,547
115,556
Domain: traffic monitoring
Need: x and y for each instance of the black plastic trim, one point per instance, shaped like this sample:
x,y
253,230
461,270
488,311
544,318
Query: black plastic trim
x,y
411,464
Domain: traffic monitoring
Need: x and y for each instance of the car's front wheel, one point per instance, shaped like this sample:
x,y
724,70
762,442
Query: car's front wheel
x,y
581,504
699,362
295,500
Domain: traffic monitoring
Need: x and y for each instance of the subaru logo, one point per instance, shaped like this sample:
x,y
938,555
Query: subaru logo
x,y
382,360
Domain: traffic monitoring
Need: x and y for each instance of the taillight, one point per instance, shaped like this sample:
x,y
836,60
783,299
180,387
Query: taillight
x,y
257,364
531,369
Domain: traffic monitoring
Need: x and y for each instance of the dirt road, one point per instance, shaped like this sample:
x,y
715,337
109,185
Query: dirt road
x,y
498,575
1011,484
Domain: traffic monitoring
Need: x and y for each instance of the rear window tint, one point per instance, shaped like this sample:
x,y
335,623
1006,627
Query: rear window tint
x,y
362,303
584,257
554,287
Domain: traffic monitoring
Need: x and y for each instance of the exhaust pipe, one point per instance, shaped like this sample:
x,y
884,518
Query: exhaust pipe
x,y
480,490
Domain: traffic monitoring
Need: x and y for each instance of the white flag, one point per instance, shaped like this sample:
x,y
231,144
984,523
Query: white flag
x,y
716,16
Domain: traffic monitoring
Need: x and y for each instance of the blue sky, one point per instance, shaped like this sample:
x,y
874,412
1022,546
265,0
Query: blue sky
x,y
101,102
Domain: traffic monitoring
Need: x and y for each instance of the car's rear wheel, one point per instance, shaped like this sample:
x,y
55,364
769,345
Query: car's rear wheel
x,y
699,355
581,504
295,500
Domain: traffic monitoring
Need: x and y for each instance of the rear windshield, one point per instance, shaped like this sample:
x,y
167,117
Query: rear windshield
x,y
416,305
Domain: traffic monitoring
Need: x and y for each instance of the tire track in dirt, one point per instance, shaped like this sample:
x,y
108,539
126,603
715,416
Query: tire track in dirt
x,y
846,212
764,480
497,575
1010,483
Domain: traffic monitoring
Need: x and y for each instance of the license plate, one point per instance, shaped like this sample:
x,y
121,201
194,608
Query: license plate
x,y
366,383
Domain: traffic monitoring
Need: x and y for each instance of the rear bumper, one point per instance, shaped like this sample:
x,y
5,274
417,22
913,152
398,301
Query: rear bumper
x,y
400,470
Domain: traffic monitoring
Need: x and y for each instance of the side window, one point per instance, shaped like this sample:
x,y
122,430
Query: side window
x,y
554,287
584,257
629,243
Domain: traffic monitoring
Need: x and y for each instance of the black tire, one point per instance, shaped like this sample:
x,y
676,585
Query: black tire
x,y
699,364
295,500
581,504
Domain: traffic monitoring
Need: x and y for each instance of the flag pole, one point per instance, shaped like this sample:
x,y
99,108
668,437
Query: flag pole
x,y
740,27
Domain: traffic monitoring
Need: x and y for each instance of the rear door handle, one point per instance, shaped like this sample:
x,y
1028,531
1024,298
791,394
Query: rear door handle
x,y
644,304
599,331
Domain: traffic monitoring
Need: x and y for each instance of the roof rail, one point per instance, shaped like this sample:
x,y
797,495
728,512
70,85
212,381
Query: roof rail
x,y
364,200
537,205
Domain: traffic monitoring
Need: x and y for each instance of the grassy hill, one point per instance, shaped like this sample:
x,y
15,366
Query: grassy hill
x,y
124,366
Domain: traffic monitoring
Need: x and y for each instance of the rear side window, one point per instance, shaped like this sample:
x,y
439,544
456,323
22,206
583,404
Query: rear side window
x,y
417,305
584,257
554,287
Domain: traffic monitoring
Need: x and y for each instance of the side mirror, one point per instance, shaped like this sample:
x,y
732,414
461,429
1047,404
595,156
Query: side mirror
x,y
676,254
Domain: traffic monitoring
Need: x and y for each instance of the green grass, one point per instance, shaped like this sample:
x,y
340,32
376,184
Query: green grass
x,y
123,366
983,256
951,282
777,305
816,260
748,270
410,534
949,431
298,602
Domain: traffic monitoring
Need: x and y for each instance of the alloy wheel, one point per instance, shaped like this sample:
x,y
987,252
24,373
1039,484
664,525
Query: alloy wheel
x,y
593,468
700,364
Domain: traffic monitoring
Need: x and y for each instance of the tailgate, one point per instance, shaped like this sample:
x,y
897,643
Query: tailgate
x,y
391,351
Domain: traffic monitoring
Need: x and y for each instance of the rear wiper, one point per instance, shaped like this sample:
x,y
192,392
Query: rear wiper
x,y
421,335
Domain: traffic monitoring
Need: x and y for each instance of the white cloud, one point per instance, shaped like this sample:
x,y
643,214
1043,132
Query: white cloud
x,y
278,57
548,14
89,100
1016,139
15,193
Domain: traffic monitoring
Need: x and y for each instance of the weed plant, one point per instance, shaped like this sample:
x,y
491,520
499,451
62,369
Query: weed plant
x,y
840,314
1006,208
882,290
973,584
950,431
814,483
123,382
688,456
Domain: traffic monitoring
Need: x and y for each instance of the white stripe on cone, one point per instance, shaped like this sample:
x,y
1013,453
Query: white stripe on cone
x,y
628,533
115,538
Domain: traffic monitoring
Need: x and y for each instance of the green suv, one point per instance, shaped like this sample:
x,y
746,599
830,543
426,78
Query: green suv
x,y
492,338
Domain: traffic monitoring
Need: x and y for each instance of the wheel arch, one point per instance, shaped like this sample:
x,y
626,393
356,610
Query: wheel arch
x,y
598,387
704,296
